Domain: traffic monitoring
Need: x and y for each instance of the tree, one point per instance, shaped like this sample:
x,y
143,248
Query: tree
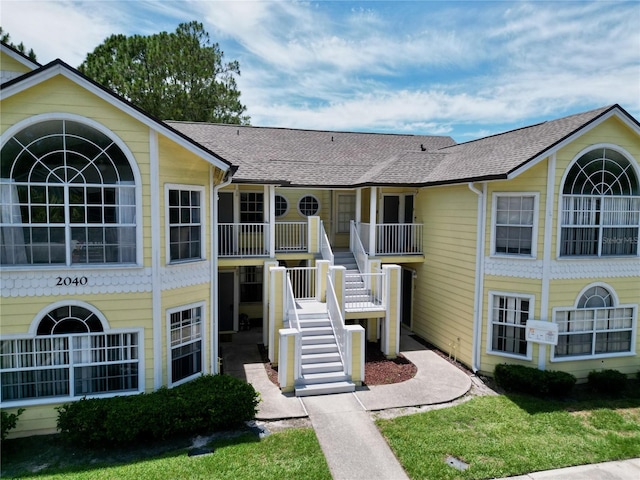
x,y
6,38
173,76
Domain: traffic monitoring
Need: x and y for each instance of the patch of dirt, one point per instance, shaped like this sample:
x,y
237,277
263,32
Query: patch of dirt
x,y
378,370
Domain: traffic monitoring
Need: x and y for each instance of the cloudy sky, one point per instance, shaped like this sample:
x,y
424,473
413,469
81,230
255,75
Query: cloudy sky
x,y
464,69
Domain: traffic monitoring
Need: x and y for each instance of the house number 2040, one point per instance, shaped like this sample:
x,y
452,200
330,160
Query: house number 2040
x,y
68,281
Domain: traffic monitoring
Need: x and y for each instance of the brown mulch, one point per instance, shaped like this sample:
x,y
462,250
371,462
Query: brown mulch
x,y
378,370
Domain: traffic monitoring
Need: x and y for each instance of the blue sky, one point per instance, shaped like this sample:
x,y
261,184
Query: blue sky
x,y
464,69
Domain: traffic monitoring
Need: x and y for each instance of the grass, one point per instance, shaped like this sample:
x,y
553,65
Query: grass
x,y
500,436
294,453
497,436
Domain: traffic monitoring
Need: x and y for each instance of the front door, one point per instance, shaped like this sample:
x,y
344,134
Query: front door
x,y
226,296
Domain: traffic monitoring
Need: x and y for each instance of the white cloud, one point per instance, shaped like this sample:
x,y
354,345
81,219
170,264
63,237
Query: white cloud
x,y
390,66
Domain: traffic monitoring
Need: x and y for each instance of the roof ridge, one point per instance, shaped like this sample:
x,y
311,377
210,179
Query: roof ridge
x,y
310,130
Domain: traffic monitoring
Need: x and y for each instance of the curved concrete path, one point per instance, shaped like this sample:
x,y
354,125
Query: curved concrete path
x,y
353,446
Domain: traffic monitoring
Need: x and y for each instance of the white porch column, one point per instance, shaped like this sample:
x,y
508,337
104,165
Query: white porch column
x,y
373,200
358,218
270,194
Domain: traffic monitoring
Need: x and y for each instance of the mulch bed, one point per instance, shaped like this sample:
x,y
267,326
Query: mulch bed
x,y
378,370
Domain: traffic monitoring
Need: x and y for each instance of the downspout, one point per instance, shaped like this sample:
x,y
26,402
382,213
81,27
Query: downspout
x,y
479,283
213,232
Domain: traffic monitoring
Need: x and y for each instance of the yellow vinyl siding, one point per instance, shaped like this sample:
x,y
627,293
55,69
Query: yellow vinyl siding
x,y
10,64
445,283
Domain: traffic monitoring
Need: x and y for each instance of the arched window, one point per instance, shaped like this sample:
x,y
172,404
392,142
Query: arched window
x,y
600,206
68,197
70,356
595,327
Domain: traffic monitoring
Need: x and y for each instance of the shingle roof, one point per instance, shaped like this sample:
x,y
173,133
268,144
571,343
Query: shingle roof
x,y
306,157
347,159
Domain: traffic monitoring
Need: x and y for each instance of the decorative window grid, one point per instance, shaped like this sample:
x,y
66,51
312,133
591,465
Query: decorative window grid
x,y
251,207
308,205
514,224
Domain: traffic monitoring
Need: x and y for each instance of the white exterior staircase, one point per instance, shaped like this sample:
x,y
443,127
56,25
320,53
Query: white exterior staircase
x,y
322,369
355,290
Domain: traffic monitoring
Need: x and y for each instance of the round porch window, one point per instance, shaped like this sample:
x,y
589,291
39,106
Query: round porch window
x,y
308,205
281,206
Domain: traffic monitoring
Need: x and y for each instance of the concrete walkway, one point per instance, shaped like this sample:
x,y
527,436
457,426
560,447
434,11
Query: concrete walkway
x,y
350,441
353,446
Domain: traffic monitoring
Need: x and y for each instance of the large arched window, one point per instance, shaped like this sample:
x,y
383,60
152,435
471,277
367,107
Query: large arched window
x,y
595,327
68,197
71,355
600,206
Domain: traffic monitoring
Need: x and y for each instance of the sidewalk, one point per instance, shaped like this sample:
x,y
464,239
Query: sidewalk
x,y
345,419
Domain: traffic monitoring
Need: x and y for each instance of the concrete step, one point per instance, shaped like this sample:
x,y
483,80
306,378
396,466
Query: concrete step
x,y
322,367
317,339
323,377
325,388
319,348
312,358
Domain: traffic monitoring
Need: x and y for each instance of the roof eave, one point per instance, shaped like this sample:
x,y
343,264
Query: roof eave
x,y
58,67
614,110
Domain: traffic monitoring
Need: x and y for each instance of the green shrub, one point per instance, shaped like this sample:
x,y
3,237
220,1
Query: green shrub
x,y
529,380
208,403
607,381
8,422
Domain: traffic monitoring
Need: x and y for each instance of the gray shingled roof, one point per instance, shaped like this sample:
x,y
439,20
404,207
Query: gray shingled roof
x,y
305,157
346,159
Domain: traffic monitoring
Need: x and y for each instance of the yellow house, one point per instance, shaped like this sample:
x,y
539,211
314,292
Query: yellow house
x,y
130,246
493,236
106,254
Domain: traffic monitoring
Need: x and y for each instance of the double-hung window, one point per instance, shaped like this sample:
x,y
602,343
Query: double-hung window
x,y
595,326
185,333
185,223
508,316
600,206
515,221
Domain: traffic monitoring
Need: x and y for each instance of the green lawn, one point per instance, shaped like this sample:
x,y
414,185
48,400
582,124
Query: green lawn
x,y
500,436
497,436
293,453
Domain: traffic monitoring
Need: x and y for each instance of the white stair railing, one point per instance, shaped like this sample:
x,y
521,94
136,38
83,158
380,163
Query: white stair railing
x,y
373,294
337,324
325,246
357,248
293,321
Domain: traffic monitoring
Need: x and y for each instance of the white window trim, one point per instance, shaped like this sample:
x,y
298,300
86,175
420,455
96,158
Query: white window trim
x,y
203,336
616,304
317,213
534,229
70,398
636,168
203,223
489,350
